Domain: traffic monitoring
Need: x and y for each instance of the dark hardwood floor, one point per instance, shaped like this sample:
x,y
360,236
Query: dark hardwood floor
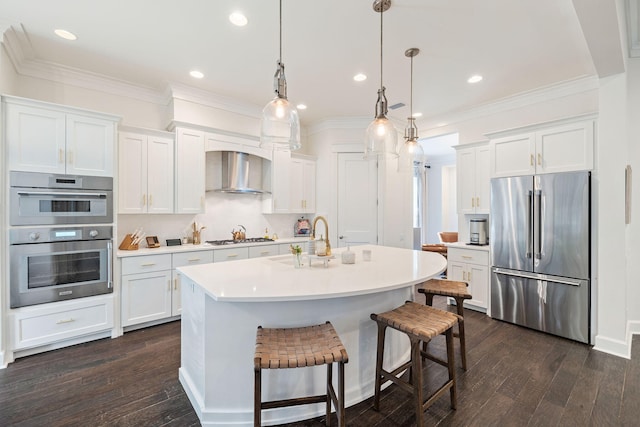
x,y
515,377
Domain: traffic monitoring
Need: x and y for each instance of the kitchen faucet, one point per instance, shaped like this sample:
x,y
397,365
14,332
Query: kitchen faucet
x,y
326,227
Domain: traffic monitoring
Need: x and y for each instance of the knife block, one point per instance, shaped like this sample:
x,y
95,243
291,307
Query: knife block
x,y
127,244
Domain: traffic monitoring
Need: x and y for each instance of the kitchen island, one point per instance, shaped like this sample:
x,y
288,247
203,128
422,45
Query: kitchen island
x,y
224,303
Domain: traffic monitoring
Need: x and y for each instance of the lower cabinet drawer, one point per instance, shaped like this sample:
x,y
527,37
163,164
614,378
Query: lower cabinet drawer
x,y
37,326
230,254
145,263
468,255
262,251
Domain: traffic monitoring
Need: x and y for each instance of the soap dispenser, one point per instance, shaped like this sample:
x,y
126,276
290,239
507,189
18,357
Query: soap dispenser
x,y
321,247
348,257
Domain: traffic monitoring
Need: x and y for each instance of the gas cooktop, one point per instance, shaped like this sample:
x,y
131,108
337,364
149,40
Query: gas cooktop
x,y
233,242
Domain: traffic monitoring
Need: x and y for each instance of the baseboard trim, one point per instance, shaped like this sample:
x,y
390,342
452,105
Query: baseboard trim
x,y
618,347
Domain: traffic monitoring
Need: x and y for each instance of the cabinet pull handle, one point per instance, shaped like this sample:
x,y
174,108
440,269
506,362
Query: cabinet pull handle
x,y
169,285
477,202
464,275
60,155
264,253
232,256
144,200
473,205
70,157
194,260
531,160
175,284
148,264
150,199
467,257
469,276
69,320
539,159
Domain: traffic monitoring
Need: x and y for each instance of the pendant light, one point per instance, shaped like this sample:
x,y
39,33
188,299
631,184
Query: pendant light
x,y
280,125
381,137
411,152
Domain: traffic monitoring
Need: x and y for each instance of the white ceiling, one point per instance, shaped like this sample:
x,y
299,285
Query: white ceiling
x,y
518,46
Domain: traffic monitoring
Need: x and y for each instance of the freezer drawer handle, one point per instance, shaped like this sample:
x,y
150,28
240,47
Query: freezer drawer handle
x,y
537,277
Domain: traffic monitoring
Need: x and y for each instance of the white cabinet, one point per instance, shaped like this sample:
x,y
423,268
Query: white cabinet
x,y
564,147
151,286
146,288
189,171
56,322
55,139
230,254
244,144
303,185
180,260
471,266
145,173
263,251
277,180
473,178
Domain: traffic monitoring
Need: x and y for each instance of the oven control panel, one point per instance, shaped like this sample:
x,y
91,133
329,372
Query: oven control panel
x,y
18,236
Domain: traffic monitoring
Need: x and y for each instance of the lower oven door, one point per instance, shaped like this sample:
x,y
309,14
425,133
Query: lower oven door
x,y
48,272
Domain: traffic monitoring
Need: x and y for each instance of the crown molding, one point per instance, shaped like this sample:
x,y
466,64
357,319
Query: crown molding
x,y
522,99
192,94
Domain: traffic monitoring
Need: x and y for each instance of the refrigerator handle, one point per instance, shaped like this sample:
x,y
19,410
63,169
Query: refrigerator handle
x,y
537,224
528,228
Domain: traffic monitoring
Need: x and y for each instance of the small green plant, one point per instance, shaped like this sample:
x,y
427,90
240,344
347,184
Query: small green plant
x,y
296,250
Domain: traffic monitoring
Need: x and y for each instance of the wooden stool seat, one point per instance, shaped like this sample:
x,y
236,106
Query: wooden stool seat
x,y
421,323
459,292
282,348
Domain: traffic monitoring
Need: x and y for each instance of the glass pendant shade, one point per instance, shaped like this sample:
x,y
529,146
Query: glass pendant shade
x,y
280,126
411,156
381,139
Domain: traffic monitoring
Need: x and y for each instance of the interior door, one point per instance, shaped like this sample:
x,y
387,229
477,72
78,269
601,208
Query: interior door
x,y
357,200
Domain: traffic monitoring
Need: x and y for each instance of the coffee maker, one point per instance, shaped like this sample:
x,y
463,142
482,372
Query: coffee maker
x,y
478,232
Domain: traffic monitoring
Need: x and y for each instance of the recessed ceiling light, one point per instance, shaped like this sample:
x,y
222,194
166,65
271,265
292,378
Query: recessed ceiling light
x,y
238,19
417,114
196,74
475,78
360,77
67,35
301,107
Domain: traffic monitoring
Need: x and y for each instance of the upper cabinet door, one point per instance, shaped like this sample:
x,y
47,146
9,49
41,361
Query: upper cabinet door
x,y
132,173
513,155
159,175
36,139
189,171
565,148
89,146
483,180
466,159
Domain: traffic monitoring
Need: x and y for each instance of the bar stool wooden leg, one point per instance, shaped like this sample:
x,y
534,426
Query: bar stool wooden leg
x,y
329,382
416,378
380,353
452,369
340,409
257,398
463,349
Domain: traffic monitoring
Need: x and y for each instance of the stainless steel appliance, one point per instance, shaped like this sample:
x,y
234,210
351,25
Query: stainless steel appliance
x,y
53,264
478,231
49,199
540,253
233,241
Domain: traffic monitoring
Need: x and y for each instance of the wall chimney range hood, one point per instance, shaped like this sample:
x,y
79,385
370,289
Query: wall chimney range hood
x,y
237,176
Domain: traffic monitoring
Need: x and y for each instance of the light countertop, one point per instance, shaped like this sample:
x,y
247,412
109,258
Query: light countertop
x,y
189,247
462,245
276,279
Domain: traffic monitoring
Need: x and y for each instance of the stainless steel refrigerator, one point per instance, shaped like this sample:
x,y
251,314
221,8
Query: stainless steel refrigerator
x,y
540,253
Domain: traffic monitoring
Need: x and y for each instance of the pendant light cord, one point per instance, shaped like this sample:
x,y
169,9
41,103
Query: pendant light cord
x,y
411,92
381,12
280,31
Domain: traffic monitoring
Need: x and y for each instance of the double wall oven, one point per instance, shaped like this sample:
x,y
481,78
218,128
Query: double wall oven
x,y
61,237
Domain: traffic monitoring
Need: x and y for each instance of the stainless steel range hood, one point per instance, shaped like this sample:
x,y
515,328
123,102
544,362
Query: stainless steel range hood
x,y
237,176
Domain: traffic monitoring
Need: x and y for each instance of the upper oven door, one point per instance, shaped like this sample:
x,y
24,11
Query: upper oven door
x,y
38,206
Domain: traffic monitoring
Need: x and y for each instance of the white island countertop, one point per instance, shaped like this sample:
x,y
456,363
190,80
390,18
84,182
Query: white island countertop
x,y
276,279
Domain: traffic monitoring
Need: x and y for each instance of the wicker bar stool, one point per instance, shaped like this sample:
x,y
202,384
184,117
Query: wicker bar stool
x,y
281,348
456,290
421,323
